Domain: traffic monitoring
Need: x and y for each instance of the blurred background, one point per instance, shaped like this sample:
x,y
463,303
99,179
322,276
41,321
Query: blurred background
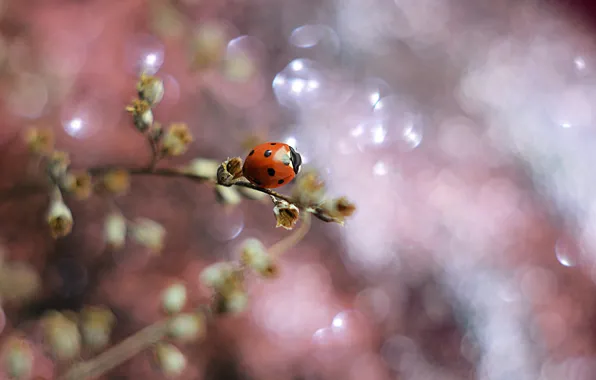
x,y
462,130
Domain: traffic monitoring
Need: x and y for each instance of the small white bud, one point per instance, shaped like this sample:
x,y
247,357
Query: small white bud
x,y
171,361
202,168
255,255
187,327
96,327
227,195
17,358
215,275
174,298
115,230
149,234
62,336
236,302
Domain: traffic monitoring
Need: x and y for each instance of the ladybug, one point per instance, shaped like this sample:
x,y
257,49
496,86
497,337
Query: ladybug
x,y
271,165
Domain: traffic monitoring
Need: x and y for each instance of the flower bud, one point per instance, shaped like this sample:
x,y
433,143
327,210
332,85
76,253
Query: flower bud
x,y
201,167
176,140
115,230
169,358
142,115
96,327
149,234
187,327
208,46
215,275
59,218
174,298
116,181
286,214
229,170
150,89
255,255
17,358
339,208
79,184
40,141
309,190
61,335
233,303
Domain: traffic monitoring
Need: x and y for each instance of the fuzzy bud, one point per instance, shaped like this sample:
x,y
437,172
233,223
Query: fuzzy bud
x,y
149,234
142,114
215,275
339,208
187,327
202,168
227,195
79,184
150,89
239,68
176,140
255,255
169,358
116,181
115,230
174,298
309,190
234,302
17,358
61,335
96,327
229,170
59,217
40,141
286,214
208,46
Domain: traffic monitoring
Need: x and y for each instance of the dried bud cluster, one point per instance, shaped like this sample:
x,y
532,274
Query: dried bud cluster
x,y
150,89
229,171
227,281
40,141
77,183
286,214
141,113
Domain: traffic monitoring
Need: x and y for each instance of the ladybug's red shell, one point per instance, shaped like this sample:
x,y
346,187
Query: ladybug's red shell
x,y
271,165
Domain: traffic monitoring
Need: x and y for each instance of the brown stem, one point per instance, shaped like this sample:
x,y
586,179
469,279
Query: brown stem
x,y
118,354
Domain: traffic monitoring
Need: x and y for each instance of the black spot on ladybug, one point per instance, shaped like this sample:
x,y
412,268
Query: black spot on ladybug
x,y
280,181
267,153
271,172
251,152
273,143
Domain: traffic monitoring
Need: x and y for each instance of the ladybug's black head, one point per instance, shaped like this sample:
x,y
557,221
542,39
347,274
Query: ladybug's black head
x,y
296,160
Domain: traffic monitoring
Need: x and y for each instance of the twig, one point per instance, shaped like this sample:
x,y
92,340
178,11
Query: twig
x,y
118,354
318,212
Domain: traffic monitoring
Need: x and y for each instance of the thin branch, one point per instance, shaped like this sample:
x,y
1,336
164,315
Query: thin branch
x,y
118,354
318,212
